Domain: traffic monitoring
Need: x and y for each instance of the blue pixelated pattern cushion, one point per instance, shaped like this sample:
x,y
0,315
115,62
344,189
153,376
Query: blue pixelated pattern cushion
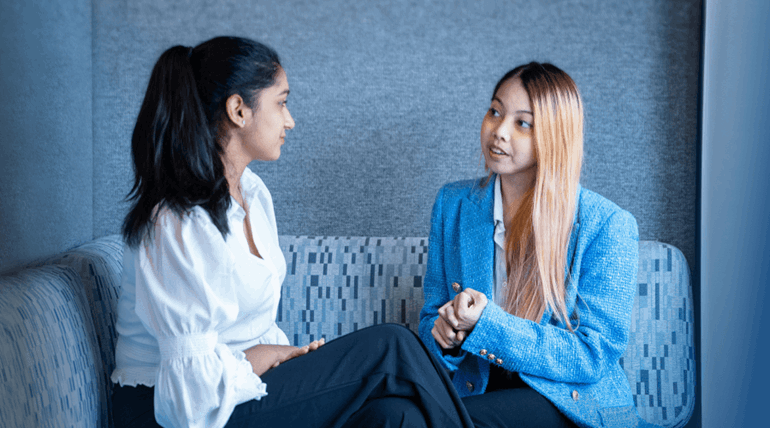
x,y
337,285
660,358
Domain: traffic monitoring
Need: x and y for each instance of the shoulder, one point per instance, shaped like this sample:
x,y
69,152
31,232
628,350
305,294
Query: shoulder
x,y
193,224
595,212
459,190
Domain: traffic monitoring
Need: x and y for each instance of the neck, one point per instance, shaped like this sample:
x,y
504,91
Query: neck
x,y
513,187
234,167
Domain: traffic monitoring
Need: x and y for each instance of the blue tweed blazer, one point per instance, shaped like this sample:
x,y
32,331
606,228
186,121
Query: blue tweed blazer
x,y
579,372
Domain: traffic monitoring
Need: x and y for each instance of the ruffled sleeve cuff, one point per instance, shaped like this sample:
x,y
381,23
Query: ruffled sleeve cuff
x,y
201,381
246,384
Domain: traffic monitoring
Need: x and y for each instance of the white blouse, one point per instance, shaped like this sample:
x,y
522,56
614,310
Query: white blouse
x,y
500,276
192,302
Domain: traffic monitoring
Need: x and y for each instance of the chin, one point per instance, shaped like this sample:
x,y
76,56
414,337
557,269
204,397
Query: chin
x,y
498,170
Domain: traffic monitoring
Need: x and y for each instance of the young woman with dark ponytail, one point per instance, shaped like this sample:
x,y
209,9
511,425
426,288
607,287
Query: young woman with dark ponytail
x,y
530,278
197,341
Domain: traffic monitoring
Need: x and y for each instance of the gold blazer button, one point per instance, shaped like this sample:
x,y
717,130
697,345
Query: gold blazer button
x,y
456,287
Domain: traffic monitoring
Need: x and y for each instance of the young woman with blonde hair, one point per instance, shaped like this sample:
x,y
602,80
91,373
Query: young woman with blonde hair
x,y
531,278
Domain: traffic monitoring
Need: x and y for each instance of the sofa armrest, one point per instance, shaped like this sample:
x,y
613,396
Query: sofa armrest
x,y
660,358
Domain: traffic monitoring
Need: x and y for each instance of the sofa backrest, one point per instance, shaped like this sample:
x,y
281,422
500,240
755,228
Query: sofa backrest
x,y
337,285
334,285
51,373
99,266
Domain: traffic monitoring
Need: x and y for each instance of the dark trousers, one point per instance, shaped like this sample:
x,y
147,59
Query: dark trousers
x,y
509,402
380,376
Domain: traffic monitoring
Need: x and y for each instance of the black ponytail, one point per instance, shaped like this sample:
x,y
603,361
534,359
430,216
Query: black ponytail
x,y
176,150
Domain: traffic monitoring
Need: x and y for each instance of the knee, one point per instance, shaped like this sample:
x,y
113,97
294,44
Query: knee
x,y
396,332
391,412
390,339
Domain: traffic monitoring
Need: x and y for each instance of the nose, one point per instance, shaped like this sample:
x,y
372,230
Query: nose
x,y
288,120
503,131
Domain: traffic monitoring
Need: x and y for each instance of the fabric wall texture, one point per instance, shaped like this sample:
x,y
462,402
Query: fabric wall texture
x,y
45,128
388,100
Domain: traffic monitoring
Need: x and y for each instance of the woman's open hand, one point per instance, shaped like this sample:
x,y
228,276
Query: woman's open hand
x,y
265,357
295,352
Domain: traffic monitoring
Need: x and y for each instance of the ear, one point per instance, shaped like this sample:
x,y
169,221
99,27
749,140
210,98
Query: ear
x,y
237,111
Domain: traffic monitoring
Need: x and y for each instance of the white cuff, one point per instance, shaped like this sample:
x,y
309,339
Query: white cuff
x,y
187,346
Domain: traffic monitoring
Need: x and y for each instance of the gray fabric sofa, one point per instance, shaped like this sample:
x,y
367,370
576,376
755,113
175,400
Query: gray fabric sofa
x,y
57,335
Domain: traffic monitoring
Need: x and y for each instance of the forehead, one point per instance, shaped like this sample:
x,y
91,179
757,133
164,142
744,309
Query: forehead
x,y
279,87
281,81
513,95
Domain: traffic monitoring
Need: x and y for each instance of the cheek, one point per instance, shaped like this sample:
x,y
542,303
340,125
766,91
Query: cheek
x,y
532,156
485,131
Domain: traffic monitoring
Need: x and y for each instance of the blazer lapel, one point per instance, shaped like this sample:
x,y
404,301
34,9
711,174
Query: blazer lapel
x,y
477,235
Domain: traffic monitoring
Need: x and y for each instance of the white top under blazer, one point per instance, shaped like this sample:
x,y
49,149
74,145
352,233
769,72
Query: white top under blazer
x,y
192,302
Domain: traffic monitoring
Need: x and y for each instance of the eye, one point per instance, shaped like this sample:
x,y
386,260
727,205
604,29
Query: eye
x,y
524,124
494,112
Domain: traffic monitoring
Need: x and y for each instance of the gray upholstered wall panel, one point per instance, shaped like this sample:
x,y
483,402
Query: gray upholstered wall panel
x,y
45,128
388,100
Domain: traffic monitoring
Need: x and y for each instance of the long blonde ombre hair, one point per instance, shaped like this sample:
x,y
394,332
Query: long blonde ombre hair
x,y
538,235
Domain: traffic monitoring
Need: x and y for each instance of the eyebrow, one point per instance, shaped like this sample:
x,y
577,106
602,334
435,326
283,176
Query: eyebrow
x,y
286,91
517,111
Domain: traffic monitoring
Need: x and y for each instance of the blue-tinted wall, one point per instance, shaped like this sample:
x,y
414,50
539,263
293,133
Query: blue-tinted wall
x,y
46,167
735,232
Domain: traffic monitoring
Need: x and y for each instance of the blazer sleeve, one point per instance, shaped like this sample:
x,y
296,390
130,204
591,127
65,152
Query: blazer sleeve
x,y
184,297
605,298
435,287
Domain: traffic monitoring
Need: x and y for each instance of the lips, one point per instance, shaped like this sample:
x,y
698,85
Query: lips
x,y
497,151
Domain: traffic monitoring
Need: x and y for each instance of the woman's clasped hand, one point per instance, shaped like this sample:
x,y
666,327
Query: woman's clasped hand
x,y
457,318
